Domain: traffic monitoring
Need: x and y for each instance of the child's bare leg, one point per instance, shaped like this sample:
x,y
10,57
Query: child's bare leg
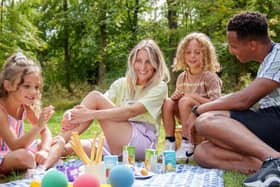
x,y
168,112
19,159
86,144
186,148
185,107
56,150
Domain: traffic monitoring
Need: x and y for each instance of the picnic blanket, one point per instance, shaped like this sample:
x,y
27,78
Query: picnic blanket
x,y
185,176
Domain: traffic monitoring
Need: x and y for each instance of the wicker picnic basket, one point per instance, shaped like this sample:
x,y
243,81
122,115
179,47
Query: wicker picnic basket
x,y
178,137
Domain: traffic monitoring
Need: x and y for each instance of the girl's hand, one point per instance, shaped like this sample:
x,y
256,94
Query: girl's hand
x,y
177,95
41,156
45,115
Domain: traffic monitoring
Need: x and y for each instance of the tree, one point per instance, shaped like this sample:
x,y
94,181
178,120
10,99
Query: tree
x,y
88,41
18,32
173,39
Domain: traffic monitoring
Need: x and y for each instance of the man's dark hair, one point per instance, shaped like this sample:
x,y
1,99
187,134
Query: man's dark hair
x,y
249,25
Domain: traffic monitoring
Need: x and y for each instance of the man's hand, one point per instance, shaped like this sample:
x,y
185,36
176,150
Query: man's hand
x,y
190,128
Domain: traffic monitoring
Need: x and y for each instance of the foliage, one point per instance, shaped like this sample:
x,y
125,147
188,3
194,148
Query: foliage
x,y
89,41
17,30
60,98
83,45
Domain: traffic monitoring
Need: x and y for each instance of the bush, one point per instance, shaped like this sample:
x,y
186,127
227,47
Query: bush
x,y
59,97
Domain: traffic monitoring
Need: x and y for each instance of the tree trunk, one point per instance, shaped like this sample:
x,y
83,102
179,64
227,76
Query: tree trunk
x,y
132,16
103,44
134,25
1,18
173,39
67,57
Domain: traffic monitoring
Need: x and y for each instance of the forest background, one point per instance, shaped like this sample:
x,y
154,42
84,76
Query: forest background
x,y
84,44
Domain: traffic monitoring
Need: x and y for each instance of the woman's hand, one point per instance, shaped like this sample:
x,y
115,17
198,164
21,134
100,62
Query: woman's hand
x,y
80,114
45,115
66,121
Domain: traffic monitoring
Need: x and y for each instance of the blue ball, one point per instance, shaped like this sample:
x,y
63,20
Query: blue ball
x,y
121,176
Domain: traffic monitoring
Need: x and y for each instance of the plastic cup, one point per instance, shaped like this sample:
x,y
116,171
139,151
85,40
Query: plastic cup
x,y
97,170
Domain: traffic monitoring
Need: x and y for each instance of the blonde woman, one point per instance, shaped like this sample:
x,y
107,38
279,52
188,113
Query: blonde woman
x,y
197,84
129,113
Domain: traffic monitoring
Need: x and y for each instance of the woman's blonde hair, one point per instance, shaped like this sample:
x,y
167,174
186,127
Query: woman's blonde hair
x,y
210,61
156,59
16,67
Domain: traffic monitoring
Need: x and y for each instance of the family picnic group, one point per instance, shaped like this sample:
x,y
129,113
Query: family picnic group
x,y
240,130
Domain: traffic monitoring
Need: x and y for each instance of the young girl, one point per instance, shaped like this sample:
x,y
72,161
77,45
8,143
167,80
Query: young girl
x,y
197,84
129,113
20,91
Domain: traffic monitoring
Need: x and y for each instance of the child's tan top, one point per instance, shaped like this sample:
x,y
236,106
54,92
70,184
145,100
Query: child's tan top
x,y
206,84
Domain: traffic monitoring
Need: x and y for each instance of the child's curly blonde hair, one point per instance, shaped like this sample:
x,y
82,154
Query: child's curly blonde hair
x,y
210,61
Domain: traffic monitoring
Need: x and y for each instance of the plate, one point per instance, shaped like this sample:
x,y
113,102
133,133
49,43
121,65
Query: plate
x,y
139,176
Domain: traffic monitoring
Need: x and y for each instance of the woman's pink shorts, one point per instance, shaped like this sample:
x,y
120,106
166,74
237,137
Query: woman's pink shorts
x,y
143,137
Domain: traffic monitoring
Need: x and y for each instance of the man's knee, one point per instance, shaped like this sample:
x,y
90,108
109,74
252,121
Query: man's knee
x,y
199,154
206,122
202,154
203,122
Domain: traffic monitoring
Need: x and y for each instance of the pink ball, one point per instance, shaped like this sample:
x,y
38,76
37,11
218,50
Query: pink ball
x,y
86,180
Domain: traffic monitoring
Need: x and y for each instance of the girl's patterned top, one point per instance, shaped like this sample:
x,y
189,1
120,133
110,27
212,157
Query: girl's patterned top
x,y
16,126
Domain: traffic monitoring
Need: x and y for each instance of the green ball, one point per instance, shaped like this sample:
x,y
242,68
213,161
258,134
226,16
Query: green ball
x,y
54,178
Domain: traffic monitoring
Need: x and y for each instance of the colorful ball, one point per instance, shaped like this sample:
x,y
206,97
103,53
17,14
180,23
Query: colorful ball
x,y
121,176
86,180
55,178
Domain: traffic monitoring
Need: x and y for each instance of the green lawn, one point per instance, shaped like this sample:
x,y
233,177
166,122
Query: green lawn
x,y
232,179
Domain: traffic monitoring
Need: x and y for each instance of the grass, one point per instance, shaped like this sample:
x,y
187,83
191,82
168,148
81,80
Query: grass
x,y
231,179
